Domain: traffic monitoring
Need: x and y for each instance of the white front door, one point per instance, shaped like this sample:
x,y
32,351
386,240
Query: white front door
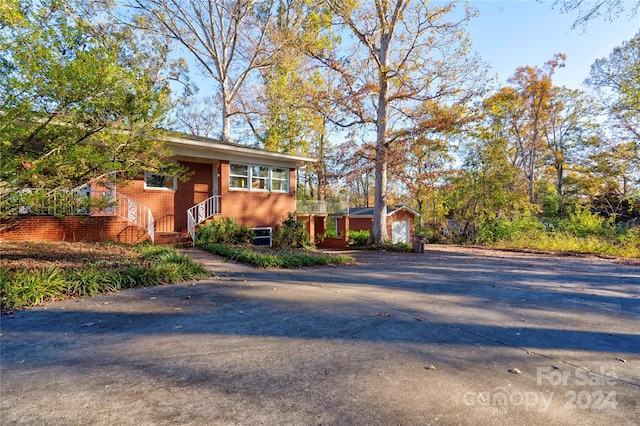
x,y
400,231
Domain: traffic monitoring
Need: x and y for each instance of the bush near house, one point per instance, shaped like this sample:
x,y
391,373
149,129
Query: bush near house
x,y
291,234
33,273
291,247
358,238
223,231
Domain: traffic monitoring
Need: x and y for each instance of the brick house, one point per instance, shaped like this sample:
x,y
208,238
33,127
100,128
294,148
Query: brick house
x,y
254,186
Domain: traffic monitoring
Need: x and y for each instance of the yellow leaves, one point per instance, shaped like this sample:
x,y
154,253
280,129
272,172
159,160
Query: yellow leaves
x,y
10,13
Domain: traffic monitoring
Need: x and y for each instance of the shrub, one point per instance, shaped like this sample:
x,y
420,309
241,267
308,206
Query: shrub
x,y
507,229
291,233
223,231
582,222
629,237
277,259
358,238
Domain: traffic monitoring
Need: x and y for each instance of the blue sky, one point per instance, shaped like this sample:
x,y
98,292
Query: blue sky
x,y
510,34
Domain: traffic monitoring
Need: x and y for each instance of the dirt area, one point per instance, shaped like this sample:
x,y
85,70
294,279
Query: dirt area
x,y
25,255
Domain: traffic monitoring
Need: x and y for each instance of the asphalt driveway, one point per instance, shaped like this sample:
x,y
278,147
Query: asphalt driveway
x,y
452,336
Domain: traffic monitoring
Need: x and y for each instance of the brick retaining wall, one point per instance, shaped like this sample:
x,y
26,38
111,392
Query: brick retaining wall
x,y
73,229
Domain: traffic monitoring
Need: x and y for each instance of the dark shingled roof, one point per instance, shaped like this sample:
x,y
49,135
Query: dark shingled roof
x,y
368,211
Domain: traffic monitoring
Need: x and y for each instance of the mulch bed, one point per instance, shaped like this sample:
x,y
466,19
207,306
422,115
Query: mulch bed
x,y
26,255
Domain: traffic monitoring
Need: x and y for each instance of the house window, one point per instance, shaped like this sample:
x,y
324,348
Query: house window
x,y
160,181
280,180
262,178
238,176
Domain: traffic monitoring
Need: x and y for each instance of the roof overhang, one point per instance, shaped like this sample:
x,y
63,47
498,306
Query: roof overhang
x,y
415,213
211,149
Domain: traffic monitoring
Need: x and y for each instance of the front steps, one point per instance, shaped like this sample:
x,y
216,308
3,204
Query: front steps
x,y
173,239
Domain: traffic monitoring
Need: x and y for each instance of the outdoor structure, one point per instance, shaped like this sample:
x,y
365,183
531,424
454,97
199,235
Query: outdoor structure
x,y
400,221
253,186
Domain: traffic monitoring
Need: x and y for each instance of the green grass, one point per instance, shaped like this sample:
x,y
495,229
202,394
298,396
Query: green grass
x,y
153,265
568,243
277,259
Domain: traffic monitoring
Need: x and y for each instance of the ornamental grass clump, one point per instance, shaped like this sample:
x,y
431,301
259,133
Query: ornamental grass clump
x,y
86,270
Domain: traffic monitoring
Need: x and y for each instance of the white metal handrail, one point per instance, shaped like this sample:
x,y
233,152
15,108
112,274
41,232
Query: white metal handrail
x,y
84,201
132,211
201,212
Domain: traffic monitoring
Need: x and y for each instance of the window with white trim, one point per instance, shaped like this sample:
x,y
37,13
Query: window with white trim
x,y
280,180
238,176
160,181
262,178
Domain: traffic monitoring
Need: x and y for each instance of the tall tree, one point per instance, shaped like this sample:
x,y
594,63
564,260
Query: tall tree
x,y
488,188
570,124
423,171
404,58
616,81
283,115
519,114
228,39
78,101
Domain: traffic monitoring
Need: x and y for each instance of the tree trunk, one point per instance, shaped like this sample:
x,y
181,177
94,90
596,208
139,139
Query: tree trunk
x,y
226,119
379,231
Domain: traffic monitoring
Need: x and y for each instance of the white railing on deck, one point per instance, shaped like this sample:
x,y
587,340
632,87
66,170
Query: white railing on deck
x,y
311,207
83,201
201,212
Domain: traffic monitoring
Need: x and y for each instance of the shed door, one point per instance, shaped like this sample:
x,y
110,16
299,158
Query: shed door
x,y
400,231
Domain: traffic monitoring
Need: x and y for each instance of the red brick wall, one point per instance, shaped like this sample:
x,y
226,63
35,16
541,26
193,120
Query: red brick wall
x,y
356,223
256,208
169,208
160,201
72,229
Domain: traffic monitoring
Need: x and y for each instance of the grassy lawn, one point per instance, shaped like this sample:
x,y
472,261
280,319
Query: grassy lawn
x,y
35,272
563,243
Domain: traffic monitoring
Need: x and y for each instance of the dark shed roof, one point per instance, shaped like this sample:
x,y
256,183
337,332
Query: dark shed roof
x,y
368,211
